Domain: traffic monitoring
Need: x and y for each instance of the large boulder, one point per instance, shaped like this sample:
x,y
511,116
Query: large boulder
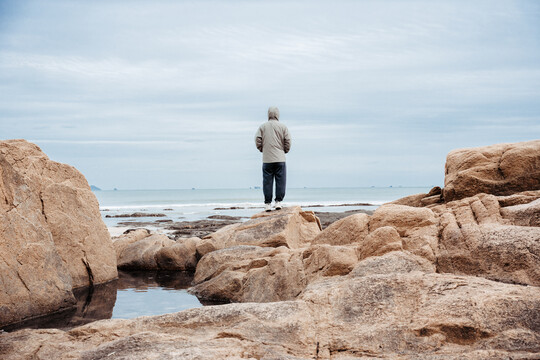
x,y
501,169
290,227
52,237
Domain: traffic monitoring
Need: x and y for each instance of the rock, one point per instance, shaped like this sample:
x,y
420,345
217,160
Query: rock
x,y
325,260
392,262
290,227
225,217
240,257
476,240
411,200
139,249
501,169
95,303
434,196
417,227
524,197
136,214
431,200
524,214
436,190
120,243
411,315
180,256
419,315
351,229
52,237
140,252
250,273
199,228
328,218
380,241
248,331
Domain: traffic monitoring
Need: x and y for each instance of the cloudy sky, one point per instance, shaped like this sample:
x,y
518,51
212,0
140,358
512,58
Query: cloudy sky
x,y
169,94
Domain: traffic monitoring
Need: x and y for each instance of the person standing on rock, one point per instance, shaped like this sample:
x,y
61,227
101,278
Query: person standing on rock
x,y
274,141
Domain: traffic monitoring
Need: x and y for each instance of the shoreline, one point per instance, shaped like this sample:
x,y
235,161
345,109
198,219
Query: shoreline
x,y
203,227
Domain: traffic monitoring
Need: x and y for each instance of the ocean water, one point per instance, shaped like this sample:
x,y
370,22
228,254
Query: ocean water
x,y
197,204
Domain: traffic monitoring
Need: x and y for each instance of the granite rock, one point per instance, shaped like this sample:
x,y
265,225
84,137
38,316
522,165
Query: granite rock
x,y
351,229
290,227
52,237
501,169
417,227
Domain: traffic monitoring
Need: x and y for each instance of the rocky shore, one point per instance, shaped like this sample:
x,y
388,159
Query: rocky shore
x,y
451,274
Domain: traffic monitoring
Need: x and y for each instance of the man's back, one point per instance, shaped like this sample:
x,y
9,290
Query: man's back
x,y
273,138
275,141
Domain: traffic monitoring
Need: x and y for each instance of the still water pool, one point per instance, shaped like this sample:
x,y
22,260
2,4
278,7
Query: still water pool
x,y
135,293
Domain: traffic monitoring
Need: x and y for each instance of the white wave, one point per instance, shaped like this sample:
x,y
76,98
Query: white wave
x,y
241,204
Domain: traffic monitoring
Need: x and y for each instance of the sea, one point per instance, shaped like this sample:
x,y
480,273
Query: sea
x,y
198,204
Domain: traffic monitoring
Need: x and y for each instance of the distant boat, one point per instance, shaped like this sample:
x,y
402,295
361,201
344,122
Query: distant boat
x,y
256,187
115,189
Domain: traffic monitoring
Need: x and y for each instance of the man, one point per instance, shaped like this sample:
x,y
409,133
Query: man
x,y
274,141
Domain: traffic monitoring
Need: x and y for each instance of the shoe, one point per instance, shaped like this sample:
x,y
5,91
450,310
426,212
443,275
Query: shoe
x,y
267,207
278,205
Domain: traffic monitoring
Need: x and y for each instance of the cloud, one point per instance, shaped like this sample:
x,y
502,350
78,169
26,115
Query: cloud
x,y
384,85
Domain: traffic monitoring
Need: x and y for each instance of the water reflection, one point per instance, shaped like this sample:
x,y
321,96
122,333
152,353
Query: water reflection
x,y
135,293
153,293
144,280
92,304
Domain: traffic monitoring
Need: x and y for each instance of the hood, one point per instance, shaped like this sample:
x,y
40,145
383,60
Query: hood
x,y
273,113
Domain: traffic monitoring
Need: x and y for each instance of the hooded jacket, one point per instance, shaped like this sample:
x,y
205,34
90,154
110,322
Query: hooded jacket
x,y
273,138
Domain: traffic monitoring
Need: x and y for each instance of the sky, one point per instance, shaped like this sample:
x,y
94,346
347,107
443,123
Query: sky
x,y
169,94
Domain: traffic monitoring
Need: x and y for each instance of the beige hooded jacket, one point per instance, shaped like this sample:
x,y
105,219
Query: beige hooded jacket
x,y
273,138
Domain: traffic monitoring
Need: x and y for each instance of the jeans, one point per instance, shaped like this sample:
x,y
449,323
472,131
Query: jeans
x,y
278,171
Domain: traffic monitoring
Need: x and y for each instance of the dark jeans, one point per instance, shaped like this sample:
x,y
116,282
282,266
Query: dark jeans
x,y
278,171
